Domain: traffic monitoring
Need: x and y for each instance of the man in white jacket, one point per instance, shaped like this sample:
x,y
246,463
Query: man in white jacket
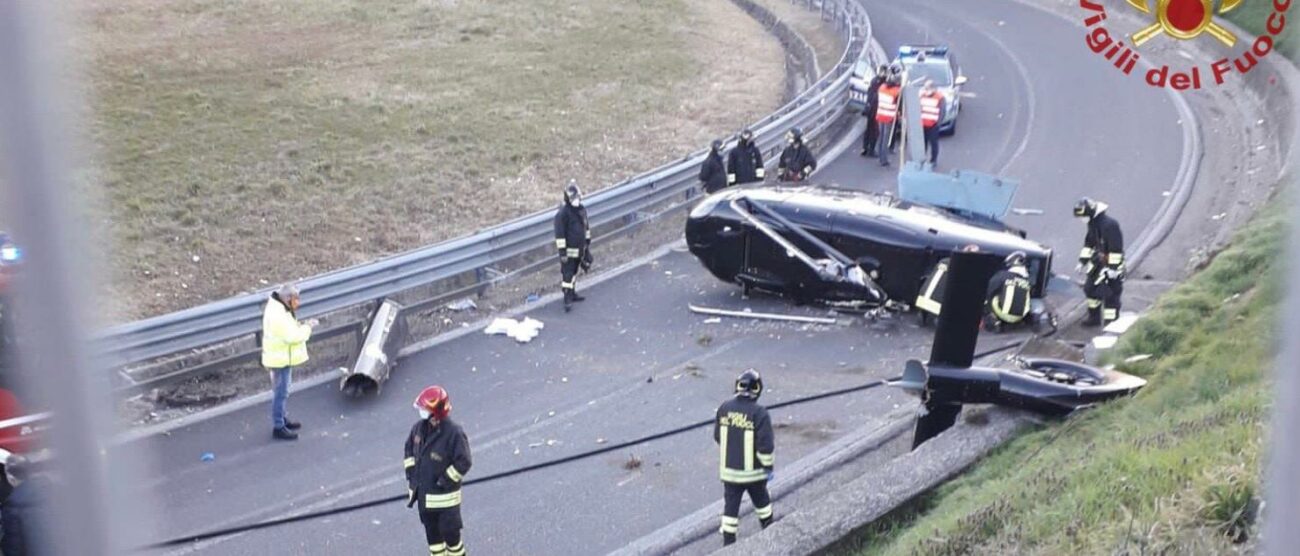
x,y
284,346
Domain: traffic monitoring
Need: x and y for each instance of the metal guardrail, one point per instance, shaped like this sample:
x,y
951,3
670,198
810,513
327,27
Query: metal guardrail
x,y
479,254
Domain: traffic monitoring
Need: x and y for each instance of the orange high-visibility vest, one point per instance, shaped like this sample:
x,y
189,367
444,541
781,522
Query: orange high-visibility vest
x,y
930,109
887,104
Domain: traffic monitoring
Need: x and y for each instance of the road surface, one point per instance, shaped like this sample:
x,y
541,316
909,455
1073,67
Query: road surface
x,y
584,379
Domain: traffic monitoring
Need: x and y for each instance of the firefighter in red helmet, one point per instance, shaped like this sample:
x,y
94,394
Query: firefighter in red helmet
x,y
437,459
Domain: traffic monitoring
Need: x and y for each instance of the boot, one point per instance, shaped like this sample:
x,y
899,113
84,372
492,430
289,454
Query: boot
x,y
1093,320
577,298
291,424
728,539
283,433
763,523
568,301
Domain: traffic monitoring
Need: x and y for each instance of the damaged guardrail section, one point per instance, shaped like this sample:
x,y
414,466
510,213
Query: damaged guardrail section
x,y
471,264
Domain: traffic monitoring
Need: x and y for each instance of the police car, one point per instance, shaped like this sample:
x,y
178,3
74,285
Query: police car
x,y
935,63
862,74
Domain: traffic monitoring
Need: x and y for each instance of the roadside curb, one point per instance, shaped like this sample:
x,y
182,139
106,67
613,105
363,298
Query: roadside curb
x,y
876,494
704,521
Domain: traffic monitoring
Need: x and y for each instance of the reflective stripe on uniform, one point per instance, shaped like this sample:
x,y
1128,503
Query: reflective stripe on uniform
x,y
759,172
1115,259
1093,303
572,252
408,463
764,512
737,476
930,109
439,501
887,106
731,178
1109,314
588,233
749,450
729,525
457,549
453,474
1003,311
722,451
566,285
1085,253
437,549
766,460
561,243
926,300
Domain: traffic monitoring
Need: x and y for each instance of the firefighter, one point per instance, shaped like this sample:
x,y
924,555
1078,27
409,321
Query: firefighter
x,y
1102,262
745,161
888,96
743,432
1008,294
437,459
929,301
573,240
932,112
797,160
713,174
869,110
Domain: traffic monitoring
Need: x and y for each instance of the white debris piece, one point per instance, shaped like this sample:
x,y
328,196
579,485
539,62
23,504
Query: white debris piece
x,y
1122,324
522,331
465,304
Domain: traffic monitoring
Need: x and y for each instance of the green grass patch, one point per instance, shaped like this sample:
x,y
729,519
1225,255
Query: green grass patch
x,y
1174,469
1253,16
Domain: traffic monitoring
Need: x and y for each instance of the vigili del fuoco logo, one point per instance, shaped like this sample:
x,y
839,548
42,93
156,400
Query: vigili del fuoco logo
x,y
1183,20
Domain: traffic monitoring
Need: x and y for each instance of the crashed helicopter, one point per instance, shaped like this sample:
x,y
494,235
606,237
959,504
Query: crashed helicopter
x,y
840,246
950,379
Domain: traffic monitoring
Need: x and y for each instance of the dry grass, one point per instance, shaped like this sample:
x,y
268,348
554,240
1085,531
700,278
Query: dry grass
x,y
821,36
246,142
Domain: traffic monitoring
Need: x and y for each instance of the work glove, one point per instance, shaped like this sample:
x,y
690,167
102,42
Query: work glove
x,y
410,497
312,322
1110,273
771,474
1079,268
586,261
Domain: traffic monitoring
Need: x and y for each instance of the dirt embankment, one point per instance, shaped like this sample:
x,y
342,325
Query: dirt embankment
x,y
246,142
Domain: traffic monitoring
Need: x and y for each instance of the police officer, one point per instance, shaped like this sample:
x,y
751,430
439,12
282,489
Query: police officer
x,y
743,432
1008,294
797,160
932,112
745,161
888,96
1102,261
869,110
713,174
573,240
437,459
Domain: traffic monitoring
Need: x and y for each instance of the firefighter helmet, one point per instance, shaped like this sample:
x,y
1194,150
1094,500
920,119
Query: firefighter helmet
x,y
716,146
1016,258
797,133
747,135
1085,208
749,384
435,401
573,193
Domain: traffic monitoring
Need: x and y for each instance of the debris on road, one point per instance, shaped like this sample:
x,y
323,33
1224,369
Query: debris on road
x,y
464,304
632,462
762,316
521,331
207,456
713,320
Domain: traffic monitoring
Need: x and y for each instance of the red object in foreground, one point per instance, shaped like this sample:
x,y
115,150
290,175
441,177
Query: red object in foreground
x,y
17,438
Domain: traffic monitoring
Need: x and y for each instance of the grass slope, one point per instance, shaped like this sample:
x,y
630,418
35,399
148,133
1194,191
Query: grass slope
x,y
1172,470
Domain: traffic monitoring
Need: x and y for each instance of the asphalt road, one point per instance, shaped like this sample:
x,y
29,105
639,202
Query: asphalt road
x,y
1045,111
